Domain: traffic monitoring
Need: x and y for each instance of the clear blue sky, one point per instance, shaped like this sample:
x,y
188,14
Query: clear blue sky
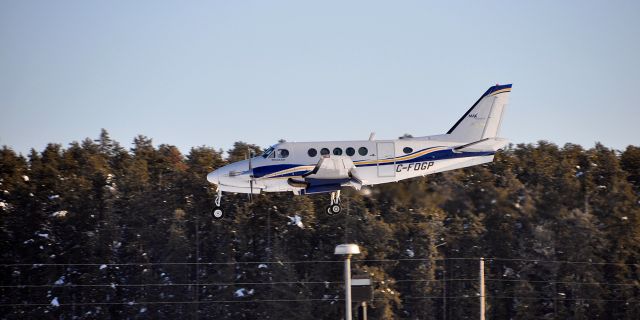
x,y
215,72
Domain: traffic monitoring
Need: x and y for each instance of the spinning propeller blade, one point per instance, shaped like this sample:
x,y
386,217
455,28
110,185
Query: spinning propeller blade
x,y
250,155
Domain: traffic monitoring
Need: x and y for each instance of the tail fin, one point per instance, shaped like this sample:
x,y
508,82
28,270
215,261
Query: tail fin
x,y
483,119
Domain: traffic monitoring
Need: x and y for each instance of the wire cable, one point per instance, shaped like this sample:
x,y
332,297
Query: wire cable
x,y
137,303
316,261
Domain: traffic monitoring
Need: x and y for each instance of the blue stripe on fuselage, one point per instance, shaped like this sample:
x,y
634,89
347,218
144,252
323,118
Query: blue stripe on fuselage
x,y
437,155
259,172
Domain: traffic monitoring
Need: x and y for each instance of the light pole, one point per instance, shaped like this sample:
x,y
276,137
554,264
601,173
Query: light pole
x,y
482,311
347,250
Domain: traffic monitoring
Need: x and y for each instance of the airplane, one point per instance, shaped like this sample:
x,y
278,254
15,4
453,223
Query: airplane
x,y
327,166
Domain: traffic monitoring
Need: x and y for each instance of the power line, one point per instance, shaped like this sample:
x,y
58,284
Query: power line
x,y
314,261
567,262
111,285
210,284
562,299
167,284
135,303
141,264
511,297
567,282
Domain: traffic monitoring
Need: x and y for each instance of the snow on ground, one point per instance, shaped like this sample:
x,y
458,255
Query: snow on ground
x,y
59,281
60,214
262,266
25,178
508,272
410,253
3,204
43,235
104,266
242,292
55,302
296,220
55,196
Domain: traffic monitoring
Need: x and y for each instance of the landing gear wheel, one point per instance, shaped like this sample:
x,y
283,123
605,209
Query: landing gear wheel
x,y
329,212
217,213
334,207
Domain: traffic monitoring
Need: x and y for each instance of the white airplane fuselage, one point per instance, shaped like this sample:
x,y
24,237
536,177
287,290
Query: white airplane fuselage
x,y
383,161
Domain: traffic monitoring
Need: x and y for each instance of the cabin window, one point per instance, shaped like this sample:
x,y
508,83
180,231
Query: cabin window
x,y
350,151
324,151
312,152
363,151
282,153
337,151
407,150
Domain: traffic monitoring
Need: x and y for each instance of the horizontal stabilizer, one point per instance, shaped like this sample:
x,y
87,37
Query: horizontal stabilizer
x,y
487,144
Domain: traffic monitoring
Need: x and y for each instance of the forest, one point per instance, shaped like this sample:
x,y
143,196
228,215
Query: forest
x,y
95,230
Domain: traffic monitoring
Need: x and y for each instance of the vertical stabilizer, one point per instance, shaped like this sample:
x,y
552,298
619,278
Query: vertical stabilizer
x,y
484,118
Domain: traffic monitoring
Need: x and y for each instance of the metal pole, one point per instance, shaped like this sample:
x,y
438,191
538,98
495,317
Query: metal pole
x,y
347,287
364,310
197,291
444,290
482,289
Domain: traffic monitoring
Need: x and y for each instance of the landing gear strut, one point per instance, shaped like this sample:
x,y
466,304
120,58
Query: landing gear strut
x,y
217,213
334,207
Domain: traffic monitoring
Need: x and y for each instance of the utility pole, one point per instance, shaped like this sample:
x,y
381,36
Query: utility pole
x,y
482,289
444,289
347,287
197,285
347,250
364,310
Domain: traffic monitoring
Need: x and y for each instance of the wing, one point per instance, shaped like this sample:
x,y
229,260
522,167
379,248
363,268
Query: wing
x,y
329,174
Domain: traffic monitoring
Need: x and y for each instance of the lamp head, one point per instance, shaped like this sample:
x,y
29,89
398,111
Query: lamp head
x,y
347,249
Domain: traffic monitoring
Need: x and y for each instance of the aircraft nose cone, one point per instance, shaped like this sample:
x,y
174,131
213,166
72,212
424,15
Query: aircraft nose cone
x,y
214,177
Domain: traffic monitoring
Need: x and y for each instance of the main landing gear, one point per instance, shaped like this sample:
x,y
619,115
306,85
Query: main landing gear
x,y
217,213
334,207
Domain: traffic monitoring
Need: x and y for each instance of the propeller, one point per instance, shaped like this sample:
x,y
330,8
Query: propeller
x,y
251,178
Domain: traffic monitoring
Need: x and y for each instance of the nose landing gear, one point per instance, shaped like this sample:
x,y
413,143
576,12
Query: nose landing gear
x,y
217,212
334,207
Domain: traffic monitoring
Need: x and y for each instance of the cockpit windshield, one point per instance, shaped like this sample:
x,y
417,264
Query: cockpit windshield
x,y
267,152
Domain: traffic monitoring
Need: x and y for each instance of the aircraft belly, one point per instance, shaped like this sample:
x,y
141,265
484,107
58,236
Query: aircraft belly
x,y
462,163
368,175
422,168
276,185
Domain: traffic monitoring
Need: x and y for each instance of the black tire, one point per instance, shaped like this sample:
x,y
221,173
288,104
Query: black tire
x,y
335,208
217,213
329,212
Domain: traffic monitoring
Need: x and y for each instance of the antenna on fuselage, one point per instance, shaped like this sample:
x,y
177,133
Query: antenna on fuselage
x,y
372,136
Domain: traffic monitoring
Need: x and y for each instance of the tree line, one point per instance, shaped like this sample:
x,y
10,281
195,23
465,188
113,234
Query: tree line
x,y
96,231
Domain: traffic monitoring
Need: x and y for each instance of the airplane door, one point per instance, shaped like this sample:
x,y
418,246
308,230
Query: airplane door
x,y
386,150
